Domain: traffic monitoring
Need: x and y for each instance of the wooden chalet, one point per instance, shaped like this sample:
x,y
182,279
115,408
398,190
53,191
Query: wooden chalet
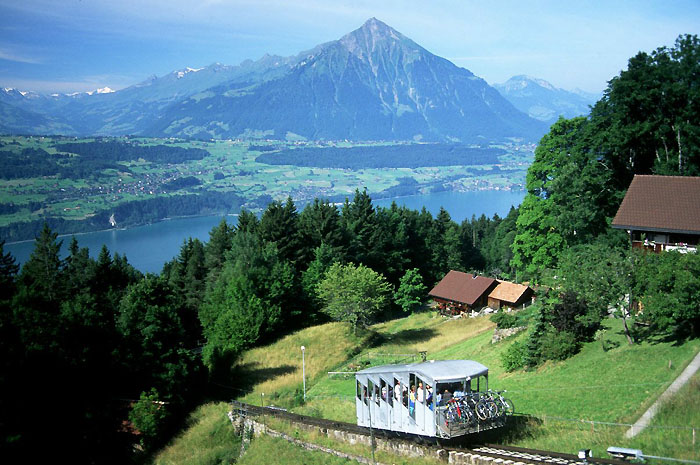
x,y
462,292
661,213
510,295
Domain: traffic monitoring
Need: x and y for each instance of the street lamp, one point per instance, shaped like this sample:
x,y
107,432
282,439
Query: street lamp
x,y
303,370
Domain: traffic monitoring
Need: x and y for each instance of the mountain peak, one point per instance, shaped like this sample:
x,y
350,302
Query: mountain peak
x,y
374,35
377,28
523,80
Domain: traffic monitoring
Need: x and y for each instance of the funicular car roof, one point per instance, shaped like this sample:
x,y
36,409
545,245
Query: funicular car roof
x,y
434,371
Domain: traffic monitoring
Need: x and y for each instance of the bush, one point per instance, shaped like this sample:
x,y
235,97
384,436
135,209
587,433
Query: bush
x,y
571,315
149,416
505,320
515,356
558,345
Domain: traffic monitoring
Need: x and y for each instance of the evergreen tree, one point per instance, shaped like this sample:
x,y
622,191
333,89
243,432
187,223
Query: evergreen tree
x,y
360,224
253,297
219,243
41,273
247,222
154,351
278,225
8,274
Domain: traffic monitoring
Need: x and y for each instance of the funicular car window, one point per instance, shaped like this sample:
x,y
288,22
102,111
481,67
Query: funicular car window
x,y
376,393
384,389
412,396
447,391
397,391
420,390
370,391
360,390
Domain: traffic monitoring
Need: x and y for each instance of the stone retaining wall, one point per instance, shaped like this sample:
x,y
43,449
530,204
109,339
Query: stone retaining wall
x,y
500,334
250,427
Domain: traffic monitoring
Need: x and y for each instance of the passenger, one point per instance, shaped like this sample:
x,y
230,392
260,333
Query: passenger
x,y
397,392
384,393
429,399
412,400
364,393
419,393
446,397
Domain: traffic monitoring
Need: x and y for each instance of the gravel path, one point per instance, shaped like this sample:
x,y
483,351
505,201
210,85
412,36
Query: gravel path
x,y
645,419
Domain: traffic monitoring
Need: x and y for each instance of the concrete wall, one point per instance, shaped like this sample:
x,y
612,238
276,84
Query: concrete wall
x,y
250,427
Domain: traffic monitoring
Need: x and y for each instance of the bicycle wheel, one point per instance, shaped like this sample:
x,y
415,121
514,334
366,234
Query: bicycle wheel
x,y
508,406
482,410
492,408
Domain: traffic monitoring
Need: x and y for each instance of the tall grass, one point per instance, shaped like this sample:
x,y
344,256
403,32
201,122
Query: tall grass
x,y
357,449
671,430
276,369
208,439
270,450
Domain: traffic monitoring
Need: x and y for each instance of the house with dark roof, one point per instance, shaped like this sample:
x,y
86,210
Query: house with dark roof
x,y
510,295
661,213
461,292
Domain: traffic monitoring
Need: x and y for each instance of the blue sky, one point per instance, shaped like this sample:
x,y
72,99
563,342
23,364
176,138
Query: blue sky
x,y
80,45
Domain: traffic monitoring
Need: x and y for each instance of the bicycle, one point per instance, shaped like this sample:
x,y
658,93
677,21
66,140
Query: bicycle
x,y
505,405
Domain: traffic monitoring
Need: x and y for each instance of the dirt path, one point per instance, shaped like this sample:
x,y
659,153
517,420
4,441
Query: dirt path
x,y
678,383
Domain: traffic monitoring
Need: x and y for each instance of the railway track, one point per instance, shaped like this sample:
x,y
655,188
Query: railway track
x,y
496,453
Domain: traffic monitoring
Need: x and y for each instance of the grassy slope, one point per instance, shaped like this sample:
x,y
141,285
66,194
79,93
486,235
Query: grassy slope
x,y
662,435
208,438
616,385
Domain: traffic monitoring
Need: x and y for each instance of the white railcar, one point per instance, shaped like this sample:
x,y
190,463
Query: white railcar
x,y
414,398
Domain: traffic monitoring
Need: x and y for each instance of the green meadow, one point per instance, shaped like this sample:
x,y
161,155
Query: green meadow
x,y
229,167
582,402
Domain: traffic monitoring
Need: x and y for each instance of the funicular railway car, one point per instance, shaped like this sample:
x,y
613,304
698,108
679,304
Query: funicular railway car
x,y
437,398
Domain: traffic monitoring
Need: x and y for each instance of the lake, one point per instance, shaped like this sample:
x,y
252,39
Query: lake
x,y
149,247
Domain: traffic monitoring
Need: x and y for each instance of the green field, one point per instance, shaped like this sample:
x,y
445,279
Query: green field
x,y
583,402
229,167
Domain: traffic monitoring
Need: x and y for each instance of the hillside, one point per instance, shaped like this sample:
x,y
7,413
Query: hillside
x,y
594,385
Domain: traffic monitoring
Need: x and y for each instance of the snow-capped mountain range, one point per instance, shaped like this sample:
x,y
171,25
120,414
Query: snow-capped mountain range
x,y
372,84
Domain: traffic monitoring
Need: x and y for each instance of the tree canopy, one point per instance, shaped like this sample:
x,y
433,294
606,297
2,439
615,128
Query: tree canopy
x,y
353,293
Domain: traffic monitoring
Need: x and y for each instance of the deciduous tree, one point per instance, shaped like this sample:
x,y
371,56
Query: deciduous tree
x,y
411,291
353,293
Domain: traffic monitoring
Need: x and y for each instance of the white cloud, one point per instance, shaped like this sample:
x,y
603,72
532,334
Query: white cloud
x,y
18,58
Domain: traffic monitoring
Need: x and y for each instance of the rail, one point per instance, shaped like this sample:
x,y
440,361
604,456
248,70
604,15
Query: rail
x,y
518,454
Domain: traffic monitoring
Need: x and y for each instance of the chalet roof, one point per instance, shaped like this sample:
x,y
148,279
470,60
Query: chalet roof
x,y
661,203
508,292
462,287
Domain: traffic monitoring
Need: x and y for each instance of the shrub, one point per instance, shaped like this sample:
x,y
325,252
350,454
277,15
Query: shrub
x,y
149,416
571,315
515,356
558,345
505,320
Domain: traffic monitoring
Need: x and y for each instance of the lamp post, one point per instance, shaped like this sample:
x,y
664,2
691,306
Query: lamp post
x,y
303,370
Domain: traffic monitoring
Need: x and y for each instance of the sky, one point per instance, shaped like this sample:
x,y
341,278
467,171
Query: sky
x,y
81,45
